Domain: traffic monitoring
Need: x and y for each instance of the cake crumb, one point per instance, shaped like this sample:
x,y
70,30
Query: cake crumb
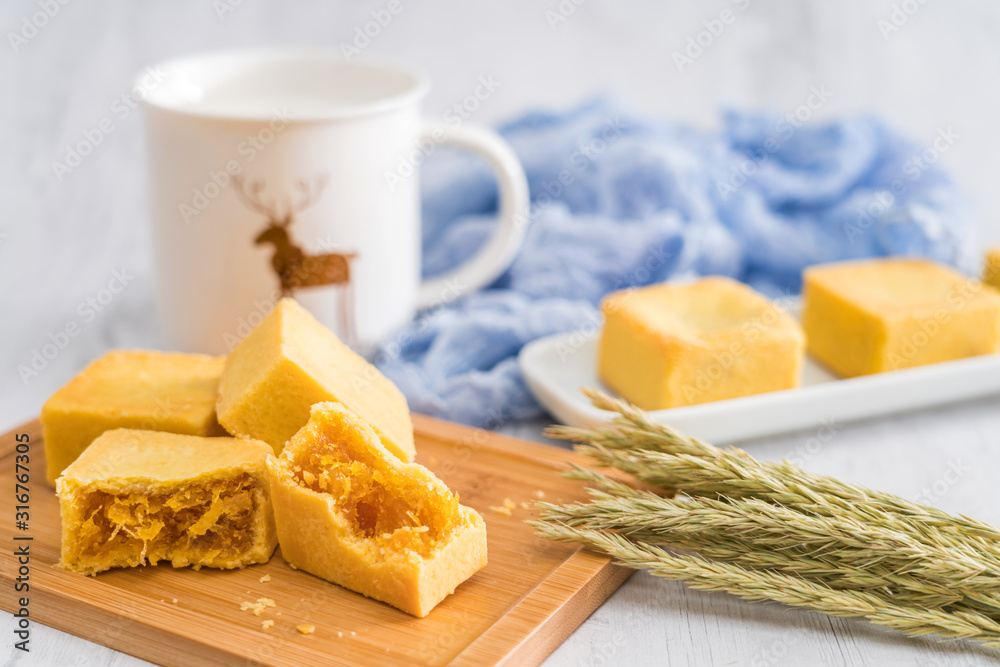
x,y
265,579
257,607
339,633
353,633
507,508
292,566
501,509
267,625
305,628
525,505
174,601
538,495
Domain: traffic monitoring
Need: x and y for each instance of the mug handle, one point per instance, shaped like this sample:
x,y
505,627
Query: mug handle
x,y
499,251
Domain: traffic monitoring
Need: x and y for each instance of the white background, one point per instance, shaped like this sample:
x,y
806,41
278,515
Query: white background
x,y
61,239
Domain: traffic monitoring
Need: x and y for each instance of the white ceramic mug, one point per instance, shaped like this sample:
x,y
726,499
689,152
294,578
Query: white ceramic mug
x,y
283,172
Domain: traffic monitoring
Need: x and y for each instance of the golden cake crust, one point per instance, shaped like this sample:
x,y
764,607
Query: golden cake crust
x,y
899,287
697,313
140,389
290,362
670,345
140,497
991,270
155,457
872,316
351,512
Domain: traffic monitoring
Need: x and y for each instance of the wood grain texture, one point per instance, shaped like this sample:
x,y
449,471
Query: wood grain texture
x,y
517,610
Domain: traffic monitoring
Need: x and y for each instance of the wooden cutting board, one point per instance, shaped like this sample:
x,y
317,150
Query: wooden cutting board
x,y
516,610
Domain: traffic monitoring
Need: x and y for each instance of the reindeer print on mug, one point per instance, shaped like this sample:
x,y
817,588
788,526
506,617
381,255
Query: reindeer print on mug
x,y
294,267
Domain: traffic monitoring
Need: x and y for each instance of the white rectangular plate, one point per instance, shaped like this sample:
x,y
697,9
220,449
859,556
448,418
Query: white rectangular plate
x,y
557,367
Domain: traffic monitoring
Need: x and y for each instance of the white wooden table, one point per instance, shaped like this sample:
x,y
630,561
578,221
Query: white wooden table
x,y
650,621
60,240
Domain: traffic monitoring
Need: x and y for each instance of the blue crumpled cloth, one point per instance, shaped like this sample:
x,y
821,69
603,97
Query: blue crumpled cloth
x,y
620,201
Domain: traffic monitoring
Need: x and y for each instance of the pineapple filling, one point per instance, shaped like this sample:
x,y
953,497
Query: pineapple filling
x,y
199,522
388,508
